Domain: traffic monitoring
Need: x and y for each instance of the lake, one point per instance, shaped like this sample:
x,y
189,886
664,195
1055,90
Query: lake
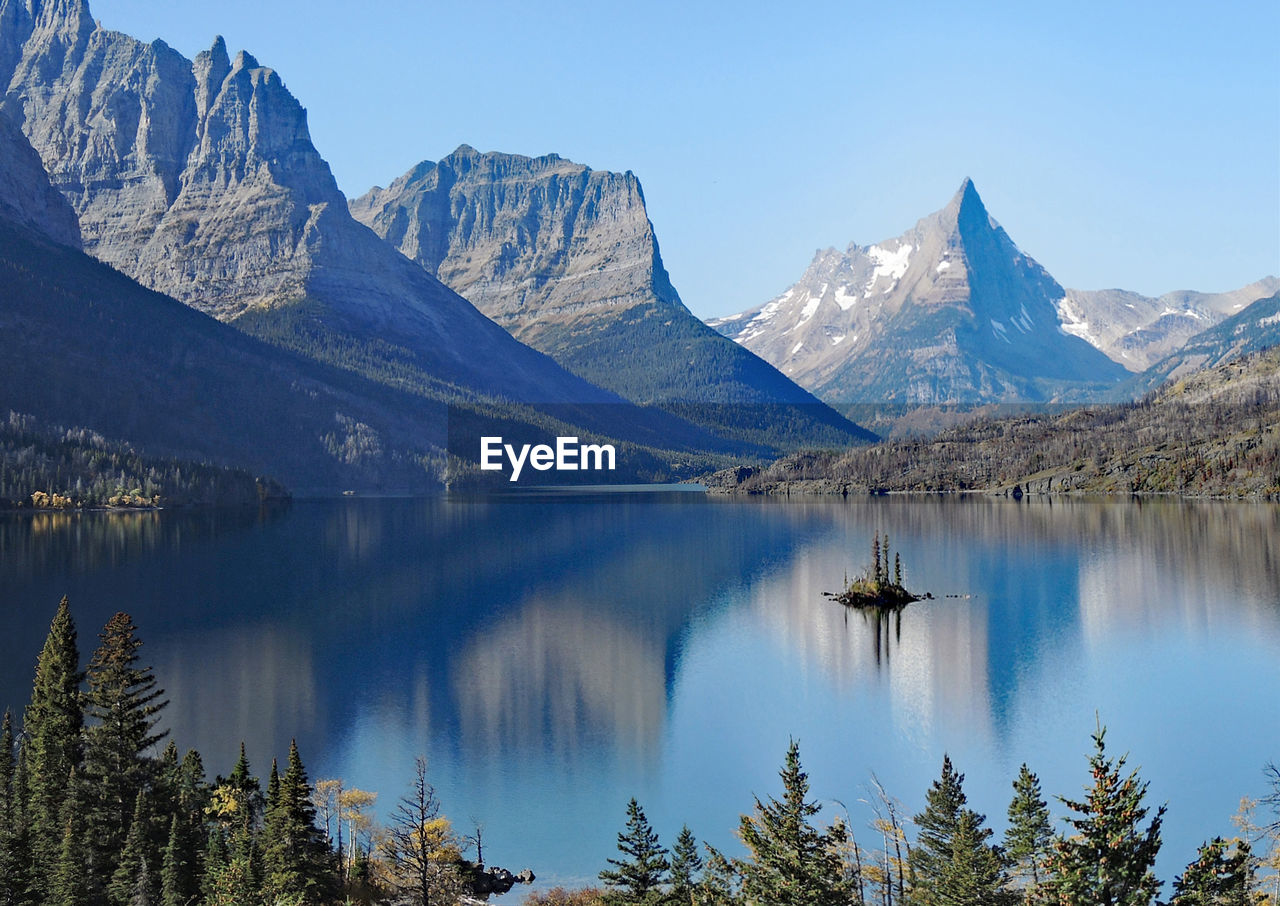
x,y
553,657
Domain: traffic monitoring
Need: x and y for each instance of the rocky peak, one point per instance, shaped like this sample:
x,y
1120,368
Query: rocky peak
x,y
26,197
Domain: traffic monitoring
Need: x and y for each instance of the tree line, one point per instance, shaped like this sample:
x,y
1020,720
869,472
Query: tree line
x,y
1105,857
90,815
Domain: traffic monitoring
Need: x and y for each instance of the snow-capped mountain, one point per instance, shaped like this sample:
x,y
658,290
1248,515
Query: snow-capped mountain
x,y
1137,331
949,312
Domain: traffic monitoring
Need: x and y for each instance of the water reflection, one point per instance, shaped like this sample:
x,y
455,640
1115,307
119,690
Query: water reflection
x,y
549,655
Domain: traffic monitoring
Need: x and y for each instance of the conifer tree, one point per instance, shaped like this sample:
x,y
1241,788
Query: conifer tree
x,y
1109,859
20,888
935,841
179,882
686,865
639,876
123,707
69,884
974,875
295,859
134,881
720,883
14,859
52,745
1029,835
1218,877
792,862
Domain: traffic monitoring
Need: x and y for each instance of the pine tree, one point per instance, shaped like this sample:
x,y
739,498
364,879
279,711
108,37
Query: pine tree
x,y
20,889
935,841
179,881
639,876
1109,859
134,881
1029,835
792,862
974,875
52,745
686,865
123,707
13,857
721,883
69,882
1217,877
295,859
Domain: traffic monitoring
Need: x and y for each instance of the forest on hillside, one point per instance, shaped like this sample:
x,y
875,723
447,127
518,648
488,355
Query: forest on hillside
x,y
45,466
1214,433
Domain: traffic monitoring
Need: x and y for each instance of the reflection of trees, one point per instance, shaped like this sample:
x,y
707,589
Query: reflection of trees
x,y
886,628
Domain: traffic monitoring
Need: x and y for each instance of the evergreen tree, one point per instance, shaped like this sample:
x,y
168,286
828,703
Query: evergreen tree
x,y
20,887
13,856
1109,859
721,883
792,862
134,881
639,876
295,859
52,725
69,882
935,841
179,882
1029,835
123,706
1217,877
686,864
974,875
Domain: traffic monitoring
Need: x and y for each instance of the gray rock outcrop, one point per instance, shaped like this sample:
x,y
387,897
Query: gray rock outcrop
x,y
199,179
27,200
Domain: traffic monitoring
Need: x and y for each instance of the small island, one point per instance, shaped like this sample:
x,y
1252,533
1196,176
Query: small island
x,y
875,588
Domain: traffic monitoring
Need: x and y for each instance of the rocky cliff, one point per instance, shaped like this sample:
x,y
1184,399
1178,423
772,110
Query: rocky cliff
x,y
199,179
949,312
566,258
27,200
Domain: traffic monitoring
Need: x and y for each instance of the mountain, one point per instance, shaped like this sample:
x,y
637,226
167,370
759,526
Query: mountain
x,y
1136,331
1255,328
950,312
199,180
566,259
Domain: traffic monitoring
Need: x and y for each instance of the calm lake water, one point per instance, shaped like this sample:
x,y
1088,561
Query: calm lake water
x,y
553,658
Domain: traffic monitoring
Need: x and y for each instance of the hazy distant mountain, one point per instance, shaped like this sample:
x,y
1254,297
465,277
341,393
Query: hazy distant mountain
x,y
1136,331
949,312
1255,328
565,258
199,179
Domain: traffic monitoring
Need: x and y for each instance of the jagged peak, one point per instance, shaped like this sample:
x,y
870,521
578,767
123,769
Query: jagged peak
x,y
245,60
218,52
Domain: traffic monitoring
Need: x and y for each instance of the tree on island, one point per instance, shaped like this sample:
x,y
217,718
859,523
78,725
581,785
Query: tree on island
x,y
874,588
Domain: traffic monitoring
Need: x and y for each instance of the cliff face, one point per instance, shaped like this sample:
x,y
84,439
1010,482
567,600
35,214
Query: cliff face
x,y
27,201
949,312
529,241
199,179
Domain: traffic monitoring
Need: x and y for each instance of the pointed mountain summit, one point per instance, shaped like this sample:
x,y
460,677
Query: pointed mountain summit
x,y
565,258
949,312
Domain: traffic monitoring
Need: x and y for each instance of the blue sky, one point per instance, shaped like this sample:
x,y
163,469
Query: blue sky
x,y
1134,146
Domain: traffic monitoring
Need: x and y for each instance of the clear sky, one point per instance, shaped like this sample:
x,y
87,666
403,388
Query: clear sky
x,y
1132,144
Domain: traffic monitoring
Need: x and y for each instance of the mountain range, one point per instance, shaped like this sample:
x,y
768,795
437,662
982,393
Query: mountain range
x,y
198,179
952,312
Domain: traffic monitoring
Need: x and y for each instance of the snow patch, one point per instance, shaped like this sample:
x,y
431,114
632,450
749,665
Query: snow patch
x,y
1072,322
844,299
796,348
943,265
998,331
1274,319
836,341
891,264
809,308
